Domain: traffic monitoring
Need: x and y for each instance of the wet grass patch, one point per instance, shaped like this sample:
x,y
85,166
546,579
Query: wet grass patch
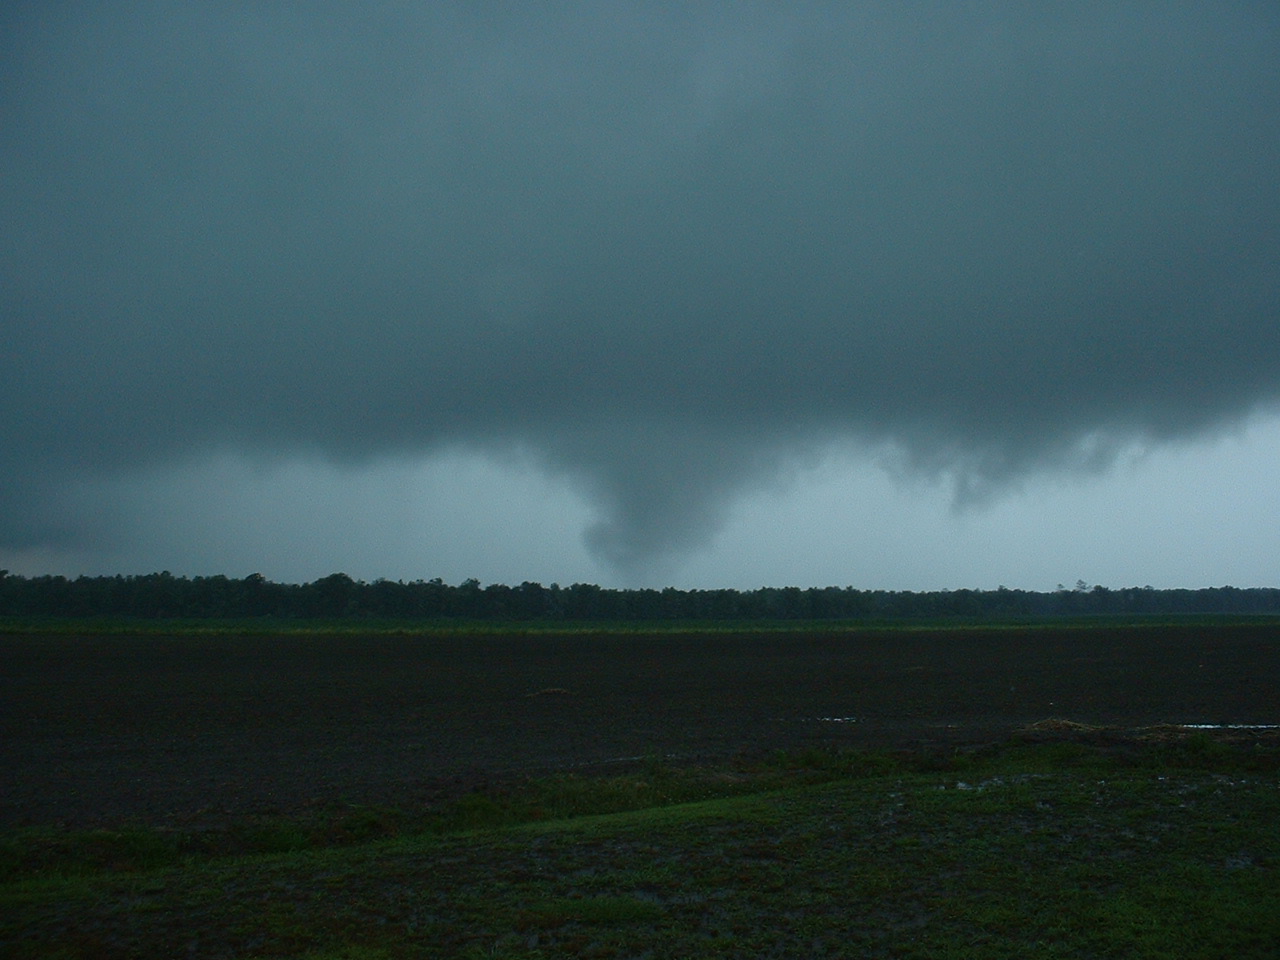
x,y
1025,849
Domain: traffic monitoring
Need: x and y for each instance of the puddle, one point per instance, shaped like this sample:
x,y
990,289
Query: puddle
x,y
1183,726
818,719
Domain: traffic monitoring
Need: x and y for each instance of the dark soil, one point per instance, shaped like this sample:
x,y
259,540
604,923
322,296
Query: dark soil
x,y
185,728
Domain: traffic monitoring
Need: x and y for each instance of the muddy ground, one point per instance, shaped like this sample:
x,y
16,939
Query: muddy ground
x,y
108,729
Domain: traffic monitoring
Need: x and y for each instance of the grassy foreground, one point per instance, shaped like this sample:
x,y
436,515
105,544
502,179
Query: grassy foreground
x,y
1161,848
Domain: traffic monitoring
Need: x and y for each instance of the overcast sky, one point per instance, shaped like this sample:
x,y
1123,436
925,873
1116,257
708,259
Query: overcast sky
x,y
910,295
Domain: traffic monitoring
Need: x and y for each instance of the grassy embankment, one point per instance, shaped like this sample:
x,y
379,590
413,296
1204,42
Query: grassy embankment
x,y
1161,847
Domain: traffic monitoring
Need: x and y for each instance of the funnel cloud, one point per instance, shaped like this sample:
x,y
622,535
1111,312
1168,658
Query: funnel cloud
x,y
662,252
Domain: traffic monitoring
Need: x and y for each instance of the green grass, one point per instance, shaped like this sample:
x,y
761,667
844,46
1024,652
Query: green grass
x,y
1028,850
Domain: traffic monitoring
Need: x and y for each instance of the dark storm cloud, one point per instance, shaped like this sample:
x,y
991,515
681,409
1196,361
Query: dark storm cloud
x,y
664,248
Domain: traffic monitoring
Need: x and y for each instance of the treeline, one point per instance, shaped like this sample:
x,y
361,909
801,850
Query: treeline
x,y
159,595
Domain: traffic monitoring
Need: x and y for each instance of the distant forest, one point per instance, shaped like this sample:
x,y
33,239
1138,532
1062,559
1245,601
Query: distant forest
x,y
162,595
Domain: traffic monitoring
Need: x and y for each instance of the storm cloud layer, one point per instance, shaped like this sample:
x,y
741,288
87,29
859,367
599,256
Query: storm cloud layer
x,y
662,250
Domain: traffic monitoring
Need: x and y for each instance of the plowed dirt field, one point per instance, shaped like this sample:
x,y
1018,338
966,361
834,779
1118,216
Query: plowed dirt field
x,y
98,729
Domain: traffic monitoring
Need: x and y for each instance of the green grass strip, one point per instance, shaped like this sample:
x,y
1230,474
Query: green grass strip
x,y
1033,851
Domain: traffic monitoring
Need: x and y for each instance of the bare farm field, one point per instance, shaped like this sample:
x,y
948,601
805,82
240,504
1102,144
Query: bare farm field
x,y
96,730
981,792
